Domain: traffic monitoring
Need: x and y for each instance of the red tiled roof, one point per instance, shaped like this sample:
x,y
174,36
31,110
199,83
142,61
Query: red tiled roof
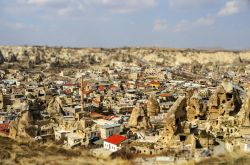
x,y
101,88
96,115
115,139
71,85
108,117
141,85
96,101
155,82
4,127
112,87
67,91
165,95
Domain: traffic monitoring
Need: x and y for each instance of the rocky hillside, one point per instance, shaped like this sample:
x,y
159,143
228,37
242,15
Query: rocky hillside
x,y
100,56
30,153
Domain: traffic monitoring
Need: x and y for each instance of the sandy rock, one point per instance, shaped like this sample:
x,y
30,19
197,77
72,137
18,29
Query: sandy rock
x,y
23,126
195,108
12,57
225,101
177,111
144,56
244,114
54,107
139,118
1,57
153,107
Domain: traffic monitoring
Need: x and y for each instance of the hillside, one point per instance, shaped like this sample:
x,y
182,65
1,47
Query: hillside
x,y
25,153
100,56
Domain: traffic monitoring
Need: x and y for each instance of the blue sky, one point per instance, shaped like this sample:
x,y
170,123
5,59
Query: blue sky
x,y
117,23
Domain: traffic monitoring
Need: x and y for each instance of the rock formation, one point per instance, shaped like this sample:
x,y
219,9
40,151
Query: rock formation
x,y
1,57
12,57
195,108
23,127
225,101
1,100
139,118
175,115
244,114
54,107
153,107
144,56
224,127
54,62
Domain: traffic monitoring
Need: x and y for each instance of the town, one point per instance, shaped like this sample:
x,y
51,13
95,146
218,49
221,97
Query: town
x,y
168,113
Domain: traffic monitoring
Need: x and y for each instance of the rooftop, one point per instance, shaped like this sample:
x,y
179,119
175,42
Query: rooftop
x,y
115,139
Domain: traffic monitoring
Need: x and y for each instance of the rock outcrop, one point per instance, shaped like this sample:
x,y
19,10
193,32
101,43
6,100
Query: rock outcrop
x,y
153,107
176,114
195,108
23,127
1,101
224,102
142,56
139,118
54,107
1,57
244,114
12,57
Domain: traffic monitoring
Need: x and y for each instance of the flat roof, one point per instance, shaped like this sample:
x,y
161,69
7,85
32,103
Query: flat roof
x,y
110,125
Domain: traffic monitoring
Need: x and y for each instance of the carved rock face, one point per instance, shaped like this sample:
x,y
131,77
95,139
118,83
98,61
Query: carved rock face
x,y
12,57
1,58
23,126
54,107
244,114
175,116
153,107
225,101
1,100
139,118
194,108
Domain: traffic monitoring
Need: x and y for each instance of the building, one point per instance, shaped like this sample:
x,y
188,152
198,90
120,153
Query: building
x,y
108,130
61,135
4,128
113,143
74,139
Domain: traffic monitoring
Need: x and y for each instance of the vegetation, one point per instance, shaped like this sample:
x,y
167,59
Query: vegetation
x,y
29,153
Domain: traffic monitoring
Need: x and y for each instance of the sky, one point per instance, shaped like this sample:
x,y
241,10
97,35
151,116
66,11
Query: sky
x,y
118,23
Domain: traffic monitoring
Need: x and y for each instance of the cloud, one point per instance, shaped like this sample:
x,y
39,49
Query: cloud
x,y
186,25
66,7
160,25
128,6
190,4
18,26
233,7
45,3
209,20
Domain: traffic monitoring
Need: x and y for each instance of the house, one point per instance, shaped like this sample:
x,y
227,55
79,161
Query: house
x,y
4,128
245,143
70,88
113,143
154,84
109,130
74,139
61,135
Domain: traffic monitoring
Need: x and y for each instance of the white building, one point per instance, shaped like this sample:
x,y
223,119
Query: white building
x,y
74,139
108,130
61,135
113,143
